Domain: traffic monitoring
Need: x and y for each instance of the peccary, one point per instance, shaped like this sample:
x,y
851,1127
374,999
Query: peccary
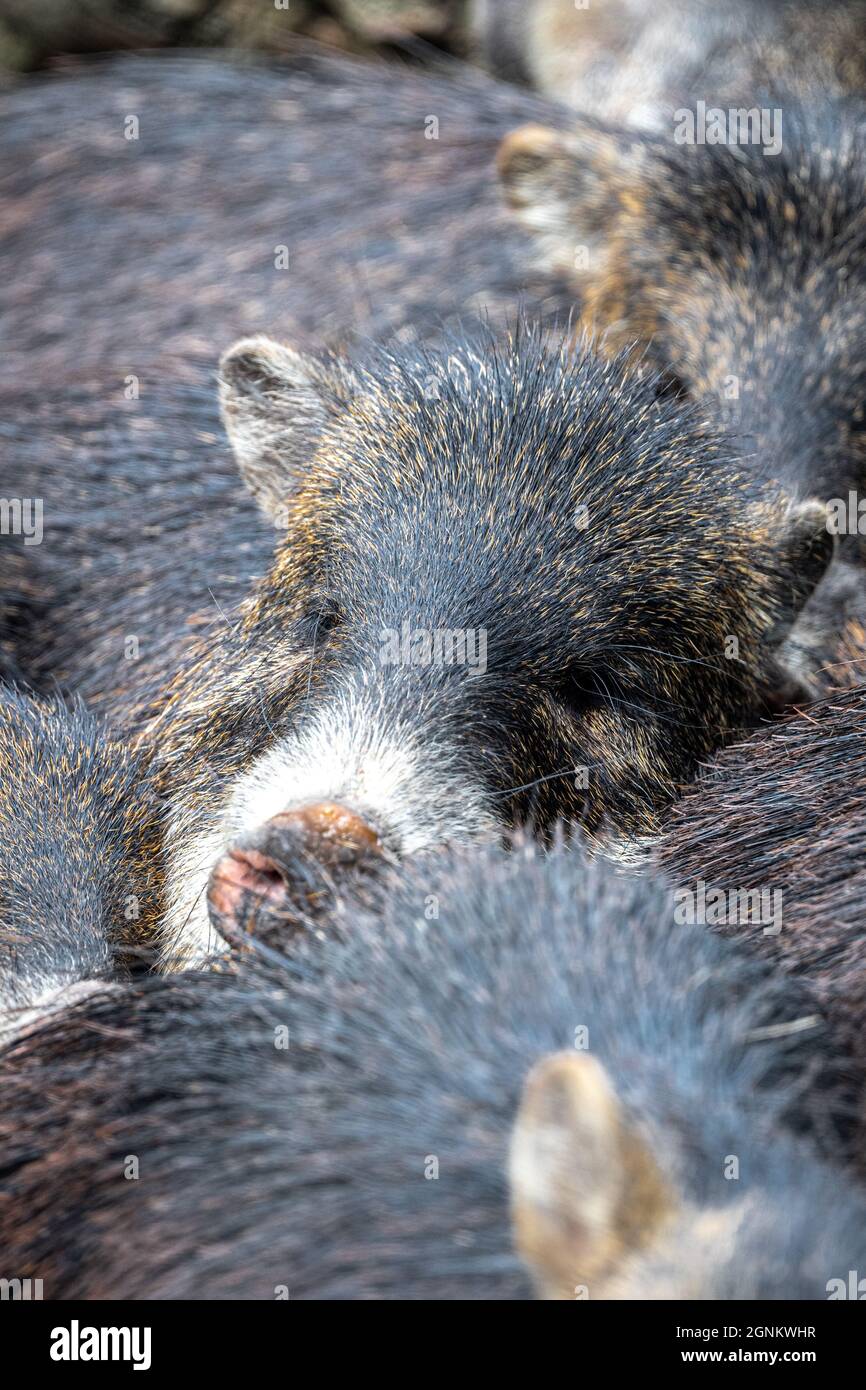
x,y
783,815
740,273
342,1122
507,586
77,839
623,586
633,61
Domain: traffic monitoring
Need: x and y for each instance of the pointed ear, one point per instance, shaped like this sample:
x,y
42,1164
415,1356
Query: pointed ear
x,y
275,403
807,546
801,642
585,1191
801,556
570,190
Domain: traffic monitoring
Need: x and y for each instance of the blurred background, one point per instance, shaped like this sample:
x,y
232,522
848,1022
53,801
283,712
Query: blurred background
x,y
37,33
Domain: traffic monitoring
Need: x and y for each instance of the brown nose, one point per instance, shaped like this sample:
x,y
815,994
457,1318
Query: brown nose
x,y
283,875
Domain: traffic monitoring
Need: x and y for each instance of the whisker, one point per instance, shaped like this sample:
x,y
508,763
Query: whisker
x,y
527,786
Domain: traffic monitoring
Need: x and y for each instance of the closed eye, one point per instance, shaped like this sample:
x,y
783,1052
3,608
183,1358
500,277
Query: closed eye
x,y
582,690
317,623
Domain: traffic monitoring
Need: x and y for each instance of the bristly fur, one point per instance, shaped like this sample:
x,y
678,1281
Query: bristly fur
x,y
77,843
389,209
742,275
785,811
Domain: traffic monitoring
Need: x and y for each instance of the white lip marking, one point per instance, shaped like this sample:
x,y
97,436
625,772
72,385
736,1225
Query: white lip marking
x,y
413,797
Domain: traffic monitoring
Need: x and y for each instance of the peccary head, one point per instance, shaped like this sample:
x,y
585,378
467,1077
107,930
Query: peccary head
x,y
739,267
511,583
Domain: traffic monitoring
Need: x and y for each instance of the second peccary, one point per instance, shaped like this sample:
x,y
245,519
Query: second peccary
x,y
767,848
739,272
498,1039
77,841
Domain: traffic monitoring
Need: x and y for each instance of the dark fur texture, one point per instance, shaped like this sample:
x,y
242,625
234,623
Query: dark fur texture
x,y
786,811
147,531
167,244
303,1168
77,835
742,276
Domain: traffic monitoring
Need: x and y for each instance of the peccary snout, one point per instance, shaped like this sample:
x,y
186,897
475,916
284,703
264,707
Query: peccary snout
x,y
285,872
